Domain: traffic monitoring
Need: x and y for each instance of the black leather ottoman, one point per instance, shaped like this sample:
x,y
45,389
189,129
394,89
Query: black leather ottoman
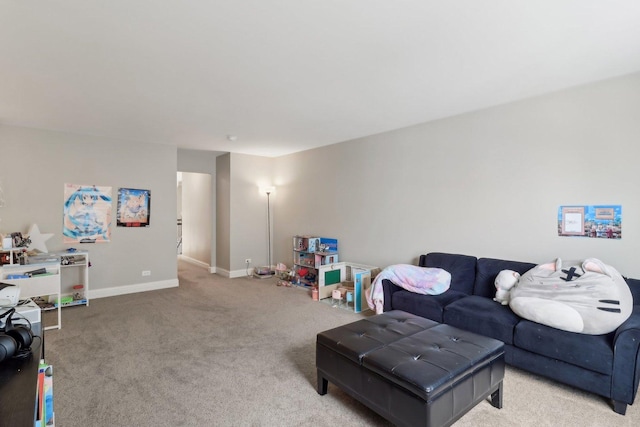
x,y
411,370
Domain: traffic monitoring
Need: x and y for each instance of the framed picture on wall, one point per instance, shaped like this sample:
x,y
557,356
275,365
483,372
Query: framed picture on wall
x,y
87,214
572,223
596,221
134,207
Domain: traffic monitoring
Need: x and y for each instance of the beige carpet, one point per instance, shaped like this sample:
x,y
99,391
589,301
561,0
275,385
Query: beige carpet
x,y
241,352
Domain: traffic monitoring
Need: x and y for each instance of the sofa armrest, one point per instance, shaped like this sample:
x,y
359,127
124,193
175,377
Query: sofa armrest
x,y
626,359
389,288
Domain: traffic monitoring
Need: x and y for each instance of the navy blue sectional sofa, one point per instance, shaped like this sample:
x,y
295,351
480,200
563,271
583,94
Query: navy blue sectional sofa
x,y
607,365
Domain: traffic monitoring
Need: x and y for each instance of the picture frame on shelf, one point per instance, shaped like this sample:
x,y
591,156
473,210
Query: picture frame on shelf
x,y
18,240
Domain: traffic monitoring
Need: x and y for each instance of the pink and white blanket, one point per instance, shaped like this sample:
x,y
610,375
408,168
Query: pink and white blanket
x,y
421,280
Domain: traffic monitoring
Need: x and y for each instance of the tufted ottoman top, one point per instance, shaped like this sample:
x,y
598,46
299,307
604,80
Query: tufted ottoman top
x,y
411,370
357,339
430,361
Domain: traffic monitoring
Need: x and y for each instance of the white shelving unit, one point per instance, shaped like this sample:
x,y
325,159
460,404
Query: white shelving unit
x,y
74,273
65,283
11,253
74,276
47,284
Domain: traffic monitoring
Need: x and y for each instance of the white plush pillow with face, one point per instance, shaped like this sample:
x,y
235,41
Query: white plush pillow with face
x,y
588,297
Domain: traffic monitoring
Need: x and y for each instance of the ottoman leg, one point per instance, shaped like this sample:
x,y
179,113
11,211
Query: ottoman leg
x,y
496,397
322,384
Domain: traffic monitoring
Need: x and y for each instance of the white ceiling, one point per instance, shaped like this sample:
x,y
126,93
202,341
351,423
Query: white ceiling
x,y
289,75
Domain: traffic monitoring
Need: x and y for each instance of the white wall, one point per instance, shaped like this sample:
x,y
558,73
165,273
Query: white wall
x,y
198,161
35,165
223,214
203,162
179,201
487,183
240,230
249,232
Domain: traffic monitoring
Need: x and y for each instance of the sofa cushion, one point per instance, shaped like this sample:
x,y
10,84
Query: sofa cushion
x,y
428,306
488,268
593,352
634,287
461,267
482,316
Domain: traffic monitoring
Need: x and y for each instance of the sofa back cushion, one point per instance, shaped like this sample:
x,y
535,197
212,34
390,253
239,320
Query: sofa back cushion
x,y
461,267
488,268
634,286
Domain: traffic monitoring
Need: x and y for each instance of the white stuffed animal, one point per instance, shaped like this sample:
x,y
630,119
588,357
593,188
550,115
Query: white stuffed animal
x,y
587,297
505,280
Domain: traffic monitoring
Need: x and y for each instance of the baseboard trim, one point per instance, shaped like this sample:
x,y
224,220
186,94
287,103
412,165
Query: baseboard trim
x,y
241,273
233,274
132,289
194,261
185,258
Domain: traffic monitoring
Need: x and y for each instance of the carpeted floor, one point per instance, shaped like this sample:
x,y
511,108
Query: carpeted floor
x,y
241,352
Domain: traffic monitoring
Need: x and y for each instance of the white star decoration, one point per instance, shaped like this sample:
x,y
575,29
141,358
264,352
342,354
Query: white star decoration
x,y
38,239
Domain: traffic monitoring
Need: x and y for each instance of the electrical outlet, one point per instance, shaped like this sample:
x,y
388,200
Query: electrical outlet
x,y
146,272
247,261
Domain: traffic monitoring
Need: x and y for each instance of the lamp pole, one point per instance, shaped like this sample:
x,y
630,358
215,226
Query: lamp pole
x,y
269,226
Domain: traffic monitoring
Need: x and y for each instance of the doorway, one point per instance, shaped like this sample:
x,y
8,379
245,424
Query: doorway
x,y
194,235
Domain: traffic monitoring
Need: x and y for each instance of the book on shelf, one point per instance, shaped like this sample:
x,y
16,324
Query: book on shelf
x,y
44,402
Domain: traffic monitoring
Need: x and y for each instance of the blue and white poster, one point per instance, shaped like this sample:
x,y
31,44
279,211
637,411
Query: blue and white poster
x,y
87,214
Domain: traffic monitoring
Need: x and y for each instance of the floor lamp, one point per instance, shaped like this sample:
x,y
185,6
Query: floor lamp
x,y
269,190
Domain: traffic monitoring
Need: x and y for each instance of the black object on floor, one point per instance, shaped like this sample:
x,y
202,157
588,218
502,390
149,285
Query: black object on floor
x,y
411,370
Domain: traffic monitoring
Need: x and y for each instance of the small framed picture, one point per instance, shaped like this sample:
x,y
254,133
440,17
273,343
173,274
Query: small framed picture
x,y
134,207
572,221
